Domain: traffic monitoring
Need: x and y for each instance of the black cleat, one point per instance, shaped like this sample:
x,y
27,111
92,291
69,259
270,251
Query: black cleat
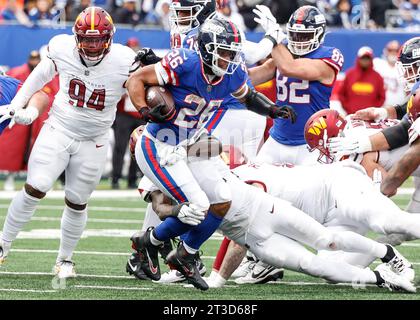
x,y
186,263
133,267
148,253
165,249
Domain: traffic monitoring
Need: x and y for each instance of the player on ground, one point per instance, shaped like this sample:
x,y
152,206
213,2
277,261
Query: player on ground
x,y
92,72
199,82
275,230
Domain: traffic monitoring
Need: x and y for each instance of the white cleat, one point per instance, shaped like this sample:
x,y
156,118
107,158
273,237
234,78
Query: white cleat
x,y
261,273
172,276
392,281
65,269
401,265
244,268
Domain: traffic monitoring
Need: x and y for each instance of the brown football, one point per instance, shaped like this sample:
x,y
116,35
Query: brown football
x,y
156,96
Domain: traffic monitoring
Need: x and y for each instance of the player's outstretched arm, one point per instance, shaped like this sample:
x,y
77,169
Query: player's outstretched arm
x,y
263,73
402,169
37,104
303,68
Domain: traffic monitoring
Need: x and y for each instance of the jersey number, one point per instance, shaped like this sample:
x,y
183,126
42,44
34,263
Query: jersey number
x,y
290,92
77,92
201,111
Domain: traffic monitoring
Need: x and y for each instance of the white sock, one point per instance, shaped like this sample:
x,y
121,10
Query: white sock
x,y
20,211
73,223
189,249
155,241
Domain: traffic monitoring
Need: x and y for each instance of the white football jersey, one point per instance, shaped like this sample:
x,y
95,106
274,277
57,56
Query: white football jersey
x,y
361,127
85,104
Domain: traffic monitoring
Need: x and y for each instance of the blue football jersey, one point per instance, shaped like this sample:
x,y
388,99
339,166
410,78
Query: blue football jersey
x,y
196,99
306,97
8,89
187,41
415,87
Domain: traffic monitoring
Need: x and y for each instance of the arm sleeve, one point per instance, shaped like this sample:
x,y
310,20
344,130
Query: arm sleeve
x,y
401,110
397,136
255,52
39,77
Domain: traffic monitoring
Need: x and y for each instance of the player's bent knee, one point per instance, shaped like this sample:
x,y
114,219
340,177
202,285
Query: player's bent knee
x,y
326,242
220,209
74,206
33,192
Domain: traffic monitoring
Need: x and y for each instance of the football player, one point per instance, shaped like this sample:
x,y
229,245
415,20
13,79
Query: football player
x,y
275,230
93,72
199,82
306,71
36,105
396,136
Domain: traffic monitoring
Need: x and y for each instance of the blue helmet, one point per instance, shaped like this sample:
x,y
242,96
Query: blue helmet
x,y
189,14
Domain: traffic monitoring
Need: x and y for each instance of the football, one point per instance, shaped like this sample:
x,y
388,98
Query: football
x,y
156,96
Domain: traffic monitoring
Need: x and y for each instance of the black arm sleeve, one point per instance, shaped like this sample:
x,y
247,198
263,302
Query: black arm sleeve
x,y
401,110
258,103
397,136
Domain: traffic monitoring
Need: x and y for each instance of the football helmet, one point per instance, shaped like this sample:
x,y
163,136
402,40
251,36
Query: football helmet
x,y
408,63
305,30
220,45
135,135
321,126
94,30
189,14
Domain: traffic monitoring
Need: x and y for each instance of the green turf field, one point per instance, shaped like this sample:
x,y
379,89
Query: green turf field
x,y
101,257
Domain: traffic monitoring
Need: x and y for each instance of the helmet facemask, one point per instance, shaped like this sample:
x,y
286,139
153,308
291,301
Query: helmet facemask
x,y
94,46
301,40
409,73
184,18
225,58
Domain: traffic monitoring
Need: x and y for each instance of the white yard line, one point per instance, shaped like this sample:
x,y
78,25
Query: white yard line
x,y
27,290
121,221
99,276
97,194
90,208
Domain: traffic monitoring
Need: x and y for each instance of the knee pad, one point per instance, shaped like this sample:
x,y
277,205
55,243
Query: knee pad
x,y
41,183
74,206
34,192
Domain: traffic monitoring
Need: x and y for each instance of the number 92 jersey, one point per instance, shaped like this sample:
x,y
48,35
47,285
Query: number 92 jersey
x,y
196,99
306,97
85,105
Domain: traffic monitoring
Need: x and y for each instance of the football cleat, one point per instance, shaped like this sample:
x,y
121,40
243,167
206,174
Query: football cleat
x,y
186,263
244,268
399,264
394,282
174,276
133,267
261,273
148,253
165,249
2,256
65,269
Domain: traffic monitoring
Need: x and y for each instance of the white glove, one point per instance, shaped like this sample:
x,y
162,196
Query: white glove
x,y
168,156
7,112
26,116
377,179
189,214
269,23
372,113
344,146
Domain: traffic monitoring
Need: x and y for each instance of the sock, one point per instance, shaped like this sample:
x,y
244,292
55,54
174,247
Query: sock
x,y
189,249
151,219
389,254
155,241
20,211
221,254
170,228
199,234
73,223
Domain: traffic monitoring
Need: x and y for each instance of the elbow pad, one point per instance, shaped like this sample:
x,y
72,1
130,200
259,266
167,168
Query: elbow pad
x,y
397,136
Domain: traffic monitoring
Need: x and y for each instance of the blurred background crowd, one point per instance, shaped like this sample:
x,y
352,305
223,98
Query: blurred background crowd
x,y
349,14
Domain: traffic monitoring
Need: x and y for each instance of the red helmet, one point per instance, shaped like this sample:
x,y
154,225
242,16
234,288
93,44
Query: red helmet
x,y
413,106
233,157
135,135
321,126
94,30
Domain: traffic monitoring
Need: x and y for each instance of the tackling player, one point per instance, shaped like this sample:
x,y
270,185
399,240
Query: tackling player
x,y
93,72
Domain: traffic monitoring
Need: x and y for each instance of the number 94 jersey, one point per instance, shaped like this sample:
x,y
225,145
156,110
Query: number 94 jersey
x,y
85,104
306,97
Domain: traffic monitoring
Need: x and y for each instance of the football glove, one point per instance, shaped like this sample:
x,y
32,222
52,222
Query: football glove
x,y
344,146
7,112
155,114
169,155
146,56
188,213
284,112
26,116
269,23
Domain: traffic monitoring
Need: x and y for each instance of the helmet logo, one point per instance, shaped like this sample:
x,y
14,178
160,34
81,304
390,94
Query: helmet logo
x,y
211,27
416,52
317,126
319,18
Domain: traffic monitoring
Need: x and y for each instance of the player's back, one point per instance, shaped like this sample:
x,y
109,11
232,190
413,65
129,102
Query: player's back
x,y
85,105
306,97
